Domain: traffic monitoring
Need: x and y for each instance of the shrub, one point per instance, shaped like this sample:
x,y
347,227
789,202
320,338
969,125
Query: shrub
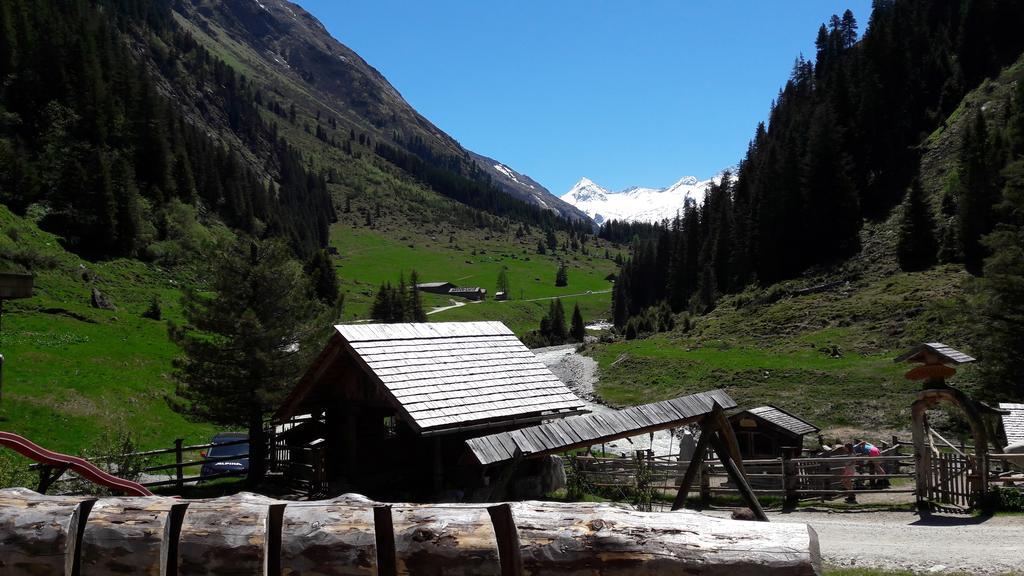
x,y
154,312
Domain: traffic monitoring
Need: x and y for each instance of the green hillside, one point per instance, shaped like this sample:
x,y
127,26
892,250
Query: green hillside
x,y
73,371
825,356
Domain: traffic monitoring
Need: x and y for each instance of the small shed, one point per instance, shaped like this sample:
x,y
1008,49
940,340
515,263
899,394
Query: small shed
x,y
1013,423
469,292
770,432
435,287
398,402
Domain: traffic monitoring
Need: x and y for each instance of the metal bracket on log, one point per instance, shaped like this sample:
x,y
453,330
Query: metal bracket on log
x,y
351,535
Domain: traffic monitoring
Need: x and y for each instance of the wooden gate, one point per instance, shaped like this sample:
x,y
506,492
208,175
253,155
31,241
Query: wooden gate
x,y
951,480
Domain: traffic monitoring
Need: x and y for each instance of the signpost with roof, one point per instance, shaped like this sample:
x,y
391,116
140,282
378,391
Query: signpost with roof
x,y
936,363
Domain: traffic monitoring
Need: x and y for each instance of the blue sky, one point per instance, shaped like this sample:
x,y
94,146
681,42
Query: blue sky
x,y
625,93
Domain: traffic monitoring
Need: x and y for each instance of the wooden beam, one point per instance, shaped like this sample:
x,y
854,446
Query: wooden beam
x,y
728,435
384,531
737,476
507,535
707,429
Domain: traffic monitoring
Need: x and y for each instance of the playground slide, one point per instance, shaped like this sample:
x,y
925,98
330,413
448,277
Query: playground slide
x,y
80,466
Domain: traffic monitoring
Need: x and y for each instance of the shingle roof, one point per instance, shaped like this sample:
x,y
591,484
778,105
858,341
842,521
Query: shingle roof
x,y
453,374
946,353
562,435
1013,422
783,419
433,284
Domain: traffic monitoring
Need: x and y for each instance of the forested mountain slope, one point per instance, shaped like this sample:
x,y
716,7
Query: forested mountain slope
x,y
880,206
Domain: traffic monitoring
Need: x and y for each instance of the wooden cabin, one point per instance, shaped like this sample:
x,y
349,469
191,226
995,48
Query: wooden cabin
x,y
435,287
396,403
469,292
770,432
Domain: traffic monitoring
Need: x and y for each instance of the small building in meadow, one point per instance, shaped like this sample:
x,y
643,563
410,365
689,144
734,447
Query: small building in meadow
x,y
770,432
469,292
395,403
435,287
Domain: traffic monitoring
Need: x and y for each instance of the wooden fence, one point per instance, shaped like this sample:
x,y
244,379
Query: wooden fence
x,y
176,471
792,479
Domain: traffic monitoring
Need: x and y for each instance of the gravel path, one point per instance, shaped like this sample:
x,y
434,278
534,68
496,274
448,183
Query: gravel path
x,y
579,373
906,541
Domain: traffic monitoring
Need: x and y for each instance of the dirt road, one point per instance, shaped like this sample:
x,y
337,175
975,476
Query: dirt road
x,y
904,540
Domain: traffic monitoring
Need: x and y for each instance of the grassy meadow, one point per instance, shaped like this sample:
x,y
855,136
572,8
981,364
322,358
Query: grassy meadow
x,y
369,257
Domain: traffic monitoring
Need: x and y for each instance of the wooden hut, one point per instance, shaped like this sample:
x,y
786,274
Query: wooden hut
x,y
770,432
435,287
469,292
398,401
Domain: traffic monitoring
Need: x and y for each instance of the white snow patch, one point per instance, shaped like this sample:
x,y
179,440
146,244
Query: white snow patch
x,y
511,174
637,203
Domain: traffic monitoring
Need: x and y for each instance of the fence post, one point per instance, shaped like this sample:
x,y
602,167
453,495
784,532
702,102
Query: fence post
x,y
705,481
789,480
179,471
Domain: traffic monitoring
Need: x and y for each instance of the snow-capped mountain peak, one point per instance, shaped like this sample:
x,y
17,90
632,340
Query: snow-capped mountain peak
x,y
586,190
636,203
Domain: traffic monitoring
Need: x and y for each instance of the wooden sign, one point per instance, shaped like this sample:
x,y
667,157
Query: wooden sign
x,y
930,372
15,286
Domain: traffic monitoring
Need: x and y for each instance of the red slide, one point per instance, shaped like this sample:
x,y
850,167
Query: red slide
x,y
80,466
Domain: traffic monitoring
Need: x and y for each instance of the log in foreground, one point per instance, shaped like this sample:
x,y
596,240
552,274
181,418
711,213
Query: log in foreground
x,y
254,535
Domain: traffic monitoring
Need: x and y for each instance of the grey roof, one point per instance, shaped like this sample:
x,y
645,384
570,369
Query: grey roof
x,y
433,284
946,353
782,419
577,431
1013,422
453,374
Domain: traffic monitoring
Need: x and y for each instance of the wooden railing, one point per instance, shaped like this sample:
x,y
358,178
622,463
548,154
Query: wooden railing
x,y
49,477
795,478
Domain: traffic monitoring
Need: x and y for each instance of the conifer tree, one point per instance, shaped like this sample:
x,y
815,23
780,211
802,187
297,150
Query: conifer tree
x,y
579,329
550,239
415,306
320,271
916,246
503,284
383,309
1002,309
562,276
245,344
556,316
976,194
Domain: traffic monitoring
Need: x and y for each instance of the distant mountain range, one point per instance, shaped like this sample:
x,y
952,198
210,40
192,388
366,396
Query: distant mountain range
x,y
636,203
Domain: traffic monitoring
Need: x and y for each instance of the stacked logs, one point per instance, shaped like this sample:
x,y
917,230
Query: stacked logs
x,y
252,535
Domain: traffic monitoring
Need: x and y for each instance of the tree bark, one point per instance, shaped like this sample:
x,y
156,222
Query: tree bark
x,y
239,535
257,451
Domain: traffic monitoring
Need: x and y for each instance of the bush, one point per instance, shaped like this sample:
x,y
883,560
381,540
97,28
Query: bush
x,y
113,452
1004,499
154,312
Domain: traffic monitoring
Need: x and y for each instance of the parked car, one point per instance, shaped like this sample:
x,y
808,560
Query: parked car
x,y
233,447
